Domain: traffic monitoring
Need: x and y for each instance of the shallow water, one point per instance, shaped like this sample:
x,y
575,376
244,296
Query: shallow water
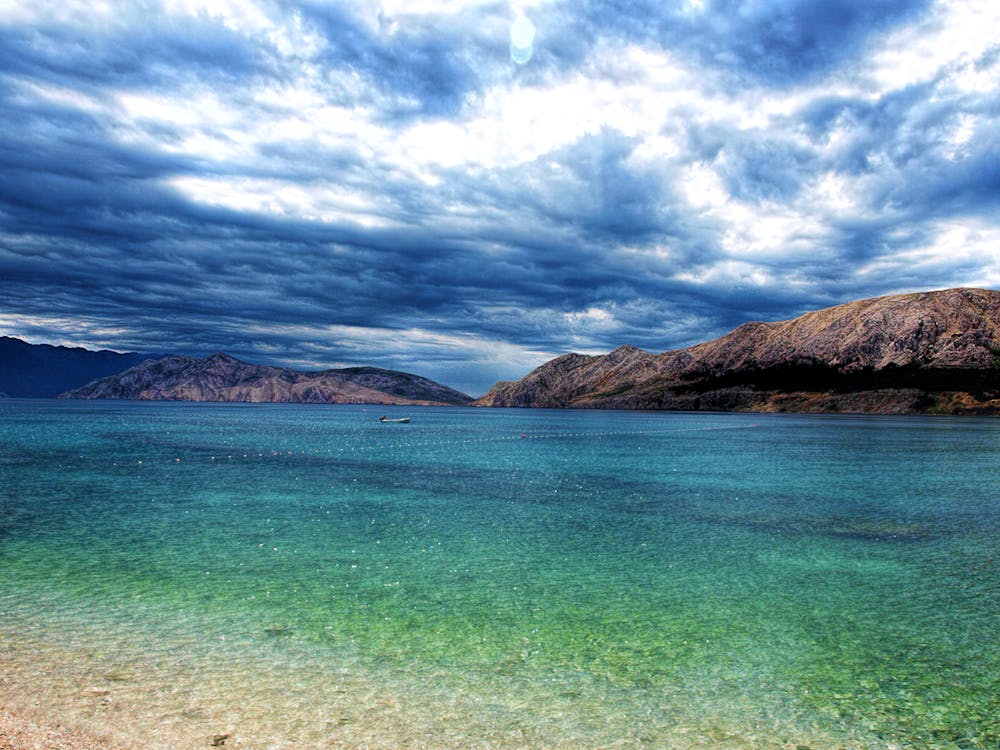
x,y
306,576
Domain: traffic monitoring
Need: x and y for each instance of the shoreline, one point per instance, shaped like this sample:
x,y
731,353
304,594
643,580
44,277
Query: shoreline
x,y
21,732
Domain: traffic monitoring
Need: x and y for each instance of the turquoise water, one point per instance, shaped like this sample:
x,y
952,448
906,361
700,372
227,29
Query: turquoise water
x,y
303,575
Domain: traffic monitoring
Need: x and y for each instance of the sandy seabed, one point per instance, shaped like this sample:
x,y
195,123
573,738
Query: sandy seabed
x,y
18,732
57,698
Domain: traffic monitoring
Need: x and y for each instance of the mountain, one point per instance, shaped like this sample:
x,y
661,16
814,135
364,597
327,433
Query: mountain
x,y
931,352
43,371
224,378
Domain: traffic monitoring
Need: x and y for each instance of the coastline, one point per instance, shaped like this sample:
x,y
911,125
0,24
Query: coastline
x,y
19,731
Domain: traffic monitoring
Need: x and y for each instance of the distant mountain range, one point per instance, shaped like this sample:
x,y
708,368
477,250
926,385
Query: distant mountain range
x,y
932,352
44,371
221,377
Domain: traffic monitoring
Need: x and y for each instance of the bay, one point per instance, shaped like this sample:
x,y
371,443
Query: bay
x,y
307,576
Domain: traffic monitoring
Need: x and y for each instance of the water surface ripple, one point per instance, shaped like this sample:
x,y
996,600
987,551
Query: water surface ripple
x,y
305,576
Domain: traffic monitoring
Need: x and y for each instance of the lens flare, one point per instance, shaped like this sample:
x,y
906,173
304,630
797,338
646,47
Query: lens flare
x,y
522,40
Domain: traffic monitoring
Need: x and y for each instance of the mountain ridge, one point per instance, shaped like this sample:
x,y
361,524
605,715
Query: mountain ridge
x,y
46,370
222,377
936,352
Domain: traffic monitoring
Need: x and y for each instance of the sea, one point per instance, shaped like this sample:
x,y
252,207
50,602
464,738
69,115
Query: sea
x,y
179,575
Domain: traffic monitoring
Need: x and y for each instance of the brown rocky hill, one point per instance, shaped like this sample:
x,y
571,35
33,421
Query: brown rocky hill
x,y
931,352
224,378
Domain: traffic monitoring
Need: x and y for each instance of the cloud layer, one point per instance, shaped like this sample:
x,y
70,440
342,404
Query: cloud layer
x,y
325,184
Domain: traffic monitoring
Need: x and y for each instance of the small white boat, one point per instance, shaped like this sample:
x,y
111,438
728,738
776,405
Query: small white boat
x,y
397,420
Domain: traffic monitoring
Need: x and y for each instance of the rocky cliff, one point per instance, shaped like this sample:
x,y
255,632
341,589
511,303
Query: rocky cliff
x,y
224,378
936,352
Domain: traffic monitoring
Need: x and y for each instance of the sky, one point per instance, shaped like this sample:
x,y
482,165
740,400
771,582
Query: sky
x,y
466,189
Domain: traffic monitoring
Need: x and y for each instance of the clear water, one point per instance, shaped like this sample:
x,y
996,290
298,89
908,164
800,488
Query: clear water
x,y
305,576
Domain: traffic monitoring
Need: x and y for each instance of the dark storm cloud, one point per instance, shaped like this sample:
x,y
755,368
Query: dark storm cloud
x,y
781,42
794,39
765,169
334,235
137,49
420,68
903,141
